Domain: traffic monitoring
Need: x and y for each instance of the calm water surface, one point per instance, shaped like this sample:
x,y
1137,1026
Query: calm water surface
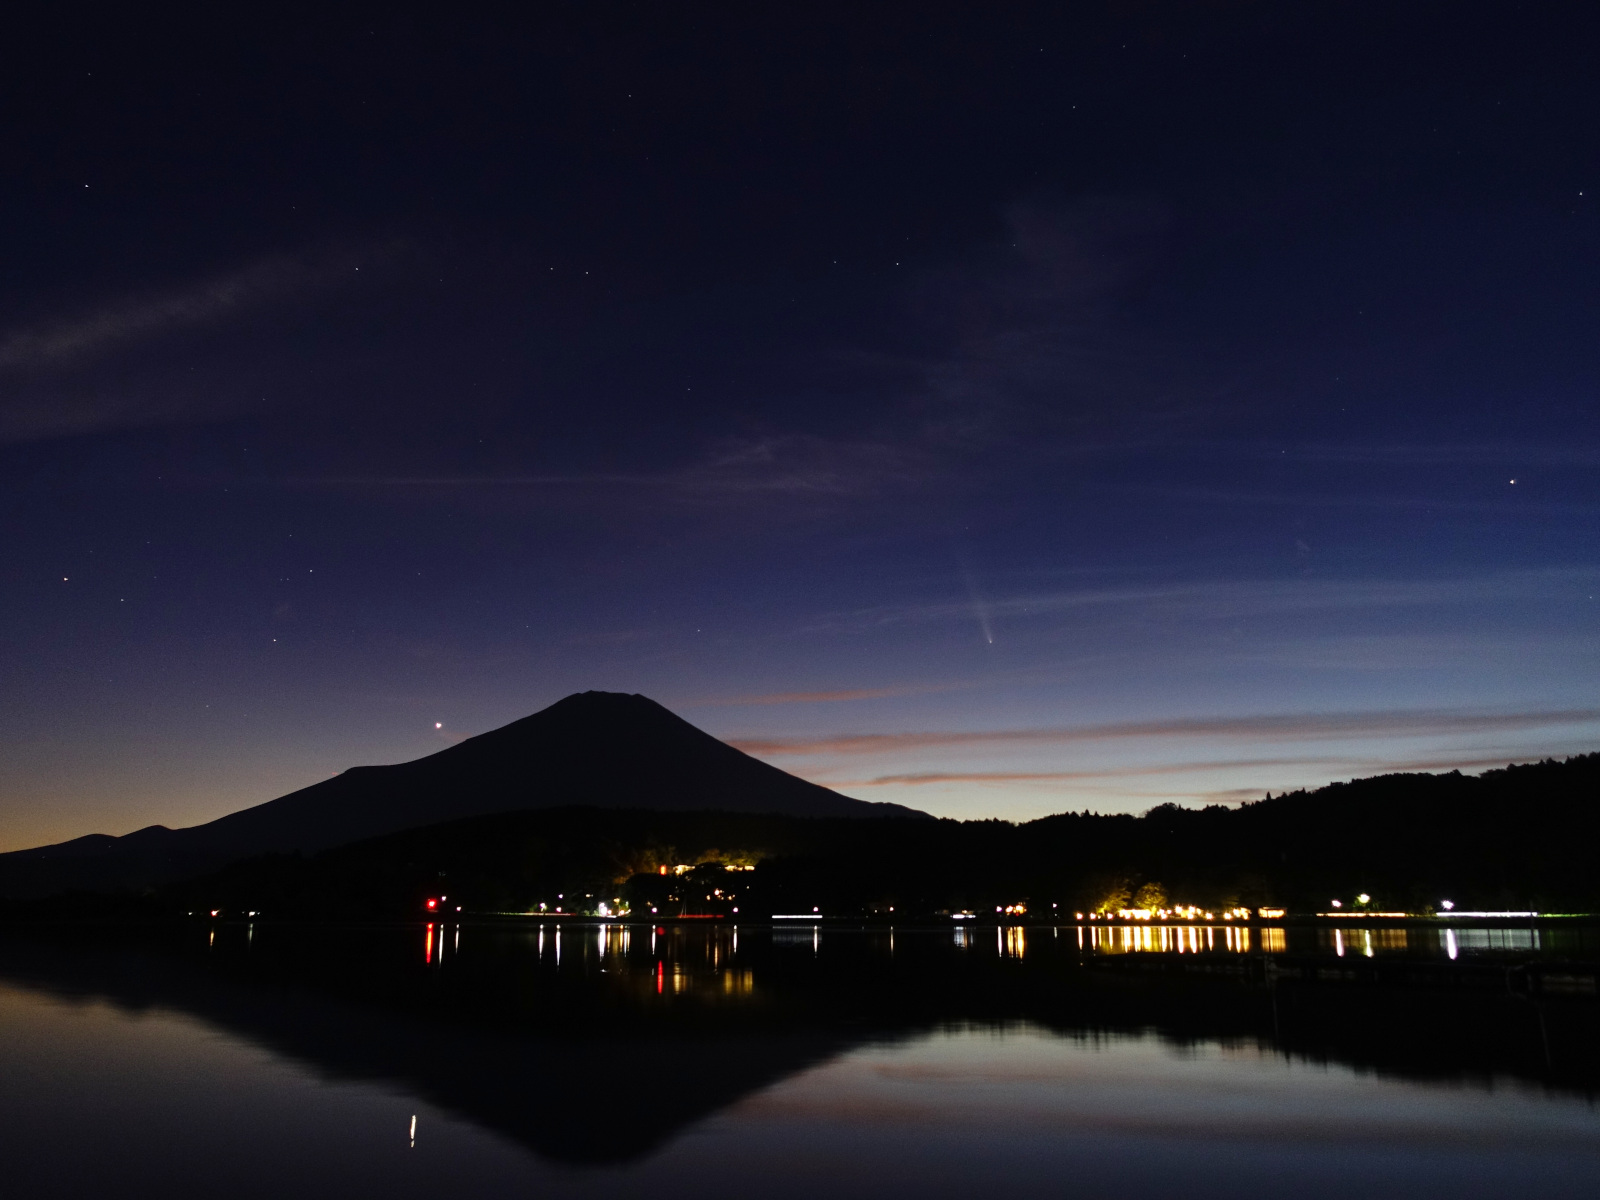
x,y
677,1061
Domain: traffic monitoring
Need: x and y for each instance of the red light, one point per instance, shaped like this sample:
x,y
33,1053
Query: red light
x,y
433,904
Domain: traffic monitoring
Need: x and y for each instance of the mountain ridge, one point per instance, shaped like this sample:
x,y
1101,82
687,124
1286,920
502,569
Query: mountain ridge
x,y
1520,839
601,749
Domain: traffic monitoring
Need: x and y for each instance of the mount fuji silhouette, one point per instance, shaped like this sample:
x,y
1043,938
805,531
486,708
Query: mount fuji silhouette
x,y
600,749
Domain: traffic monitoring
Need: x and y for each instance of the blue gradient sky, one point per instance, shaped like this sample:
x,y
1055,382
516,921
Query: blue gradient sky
x,y
993,415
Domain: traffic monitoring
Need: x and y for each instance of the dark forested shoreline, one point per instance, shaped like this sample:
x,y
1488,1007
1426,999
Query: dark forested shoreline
x,y
1524,837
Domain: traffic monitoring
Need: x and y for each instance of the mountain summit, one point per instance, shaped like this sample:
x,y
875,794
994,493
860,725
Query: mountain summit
x,y
605,749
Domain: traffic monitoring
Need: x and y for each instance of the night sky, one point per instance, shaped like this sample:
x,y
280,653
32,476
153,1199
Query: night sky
x,y
992,409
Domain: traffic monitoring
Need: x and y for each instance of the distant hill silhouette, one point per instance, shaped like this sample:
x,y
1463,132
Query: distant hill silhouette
x,y
601,749
1526,837
601,787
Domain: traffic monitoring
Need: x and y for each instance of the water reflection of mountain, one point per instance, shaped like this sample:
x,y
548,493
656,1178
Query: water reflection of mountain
x,y
583,1095
610,1052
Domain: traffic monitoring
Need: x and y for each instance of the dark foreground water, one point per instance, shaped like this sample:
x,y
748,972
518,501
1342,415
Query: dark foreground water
x,y
693,1061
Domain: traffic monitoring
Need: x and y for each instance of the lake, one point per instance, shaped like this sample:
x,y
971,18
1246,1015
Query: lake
x,y
682,1060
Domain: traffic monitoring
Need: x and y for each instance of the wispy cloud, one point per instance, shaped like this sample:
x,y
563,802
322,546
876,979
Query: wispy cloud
x,y
1442,454
915,778
1357,766
1316,726
1228,796
1231,599
742,471
73,340
825,697
83,372
805,465
1453,762
1364,500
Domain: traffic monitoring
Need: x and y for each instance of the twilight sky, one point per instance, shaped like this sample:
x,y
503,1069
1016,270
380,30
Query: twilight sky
x,y
993,409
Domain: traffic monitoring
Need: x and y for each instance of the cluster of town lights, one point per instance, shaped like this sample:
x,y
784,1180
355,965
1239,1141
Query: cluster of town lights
x,y
1178,912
